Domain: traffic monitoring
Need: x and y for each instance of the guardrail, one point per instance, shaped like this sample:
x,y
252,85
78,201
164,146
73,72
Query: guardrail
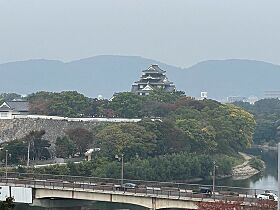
x,y
142,190
168,189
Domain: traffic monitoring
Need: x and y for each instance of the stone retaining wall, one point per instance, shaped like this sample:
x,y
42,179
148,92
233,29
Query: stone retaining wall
x,y
11,129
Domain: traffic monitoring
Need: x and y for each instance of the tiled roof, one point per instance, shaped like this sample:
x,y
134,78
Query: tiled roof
x,y
5,109
21,106
154,68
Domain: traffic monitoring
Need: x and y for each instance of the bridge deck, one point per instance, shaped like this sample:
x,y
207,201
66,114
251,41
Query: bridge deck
x,y
166,191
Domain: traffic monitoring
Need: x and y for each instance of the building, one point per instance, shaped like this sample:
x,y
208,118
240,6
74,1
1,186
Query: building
x,y
203,95
152,78
233,99
9,109
272,94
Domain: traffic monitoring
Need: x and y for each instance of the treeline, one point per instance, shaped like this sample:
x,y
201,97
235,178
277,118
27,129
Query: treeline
x,y
18,149
267,115
128,105
74,144
183,143
176,167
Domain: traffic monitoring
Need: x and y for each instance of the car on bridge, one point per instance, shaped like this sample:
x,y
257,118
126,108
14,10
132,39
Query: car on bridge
x,y
126,186
207,192
267,196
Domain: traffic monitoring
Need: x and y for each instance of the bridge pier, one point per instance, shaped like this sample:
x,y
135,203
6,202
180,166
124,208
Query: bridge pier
x,y
154,204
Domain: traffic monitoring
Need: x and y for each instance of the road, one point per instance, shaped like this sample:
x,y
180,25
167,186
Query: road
x,y
163,189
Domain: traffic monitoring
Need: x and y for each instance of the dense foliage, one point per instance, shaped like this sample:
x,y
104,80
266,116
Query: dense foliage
x,y
68,103
18,149
74,104
178,138
9,97
181,167
267,115
8,204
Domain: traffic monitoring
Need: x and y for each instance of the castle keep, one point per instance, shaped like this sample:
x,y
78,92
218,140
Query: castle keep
x,y
152,78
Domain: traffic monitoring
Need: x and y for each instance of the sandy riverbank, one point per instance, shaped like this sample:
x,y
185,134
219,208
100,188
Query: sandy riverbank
x,y
244,170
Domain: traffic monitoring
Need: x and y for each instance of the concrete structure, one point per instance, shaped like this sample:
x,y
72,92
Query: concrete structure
x,y
45,190
148,201
152,78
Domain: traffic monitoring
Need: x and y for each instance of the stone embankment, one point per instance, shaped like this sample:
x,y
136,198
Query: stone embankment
x,y
12,129
244,170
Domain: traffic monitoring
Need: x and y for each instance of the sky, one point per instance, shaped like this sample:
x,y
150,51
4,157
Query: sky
x,y
177,32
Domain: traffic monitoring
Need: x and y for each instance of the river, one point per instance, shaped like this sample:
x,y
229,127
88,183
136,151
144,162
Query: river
x,y
266,181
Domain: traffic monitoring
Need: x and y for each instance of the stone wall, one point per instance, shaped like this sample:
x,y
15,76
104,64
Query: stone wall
x,y
11,129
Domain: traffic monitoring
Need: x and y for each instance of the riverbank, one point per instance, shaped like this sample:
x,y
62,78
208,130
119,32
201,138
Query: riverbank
x,y
244,170
265,147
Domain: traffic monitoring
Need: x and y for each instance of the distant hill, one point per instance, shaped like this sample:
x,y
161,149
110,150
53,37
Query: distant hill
x,y
222,78
108,74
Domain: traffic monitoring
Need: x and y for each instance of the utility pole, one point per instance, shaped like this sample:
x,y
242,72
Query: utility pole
x,y
6,164
120,158
278,202
28,153
122,171
214,177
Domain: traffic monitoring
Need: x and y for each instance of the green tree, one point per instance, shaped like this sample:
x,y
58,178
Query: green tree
x,y
64,147
127,105
9,96
166,97
267,115
126,138
82,139
17,149
8,204
38,146
66,103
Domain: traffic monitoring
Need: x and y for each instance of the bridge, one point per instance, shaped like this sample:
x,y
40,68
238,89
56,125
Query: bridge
x,y
148,194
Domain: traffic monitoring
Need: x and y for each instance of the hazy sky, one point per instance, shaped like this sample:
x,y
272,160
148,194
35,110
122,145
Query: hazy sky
x,y
178,32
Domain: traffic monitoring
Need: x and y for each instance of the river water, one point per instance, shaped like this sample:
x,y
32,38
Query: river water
x,y
266,181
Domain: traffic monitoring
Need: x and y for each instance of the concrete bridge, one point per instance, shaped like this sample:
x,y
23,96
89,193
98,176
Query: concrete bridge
x,y
46,189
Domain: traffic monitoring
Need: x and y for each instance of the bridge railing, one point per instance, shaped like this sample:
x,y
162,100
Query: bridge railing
x,y
167,193
152,187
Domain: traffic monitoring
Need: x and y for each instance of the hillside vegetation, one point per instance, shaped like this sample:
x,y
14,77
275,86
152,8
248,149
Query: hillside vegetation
x,y
267,115
181,142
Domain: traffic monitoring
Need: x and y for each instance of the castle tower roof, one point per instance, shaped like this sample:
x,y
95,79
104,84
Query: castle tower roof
x,y
152,78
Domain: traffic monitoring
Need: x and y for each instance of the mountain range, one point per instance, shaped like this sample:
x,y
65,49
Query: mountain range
x,y
107,74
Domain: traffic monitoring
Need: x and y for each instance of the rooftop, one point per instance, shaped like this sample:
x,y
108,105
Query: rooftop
x,y
22,106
